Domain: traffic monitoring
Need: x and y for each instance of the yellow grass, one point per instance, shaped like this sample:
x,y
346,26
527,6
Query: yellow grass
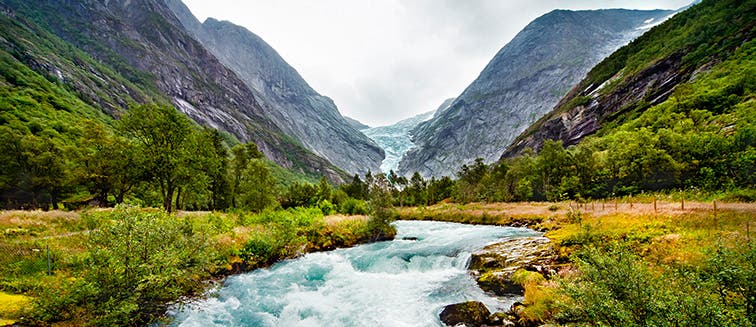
x,y
333,220
10,306
666,231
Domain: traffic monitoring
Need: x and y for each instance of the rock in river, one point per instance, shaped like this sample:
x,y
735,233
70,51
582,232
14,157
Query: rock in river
x,y
495,264
472,313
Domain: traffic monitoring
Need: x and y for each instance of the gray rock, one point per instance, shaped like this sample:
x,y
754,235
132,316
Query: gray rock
x,y
356,124
495,264
521,83
312,119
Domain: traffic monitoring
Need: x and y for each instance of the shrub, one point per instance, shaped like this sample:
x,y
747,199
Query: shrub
x,y
617,288
139,261
353,206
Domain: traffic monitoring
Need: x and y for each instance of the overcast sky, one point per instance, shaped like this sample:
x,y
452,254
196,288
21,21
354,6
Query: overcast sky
x,y
385,60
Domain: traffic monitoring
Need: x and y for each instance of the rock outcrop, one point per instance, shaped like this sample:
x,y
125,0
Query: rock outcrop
x,y
521,83
570,125
494,267
310,118
644,73
495,264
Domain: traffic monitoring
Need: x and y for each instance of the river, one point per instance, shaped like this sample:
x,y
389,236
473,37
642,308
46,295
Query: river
x,y
405,282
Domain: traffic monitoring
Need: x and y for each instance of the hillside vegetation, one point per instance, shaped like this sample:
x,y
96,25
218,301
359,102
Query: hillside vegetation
x,y
674,110
633,262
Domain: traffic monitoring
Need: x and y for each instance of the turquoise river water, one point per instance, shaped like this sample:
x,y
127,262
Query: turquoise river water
x,y
405,282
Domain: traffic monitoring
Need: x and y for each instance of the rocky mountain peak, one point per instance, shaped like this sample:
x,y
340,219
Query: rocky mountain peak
x,y
310,118
523,81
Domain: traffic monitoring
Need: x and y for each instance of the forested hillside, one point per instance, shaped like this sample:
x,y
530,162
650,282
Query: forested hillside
x,y
672,110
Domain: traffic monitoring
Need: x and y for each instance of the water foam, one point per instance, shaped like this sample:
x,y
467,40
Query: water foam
x,y
397,283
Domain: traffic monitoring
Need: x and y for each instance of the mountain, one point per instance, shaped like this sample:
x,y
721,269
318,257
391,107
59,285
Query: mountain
x,y
395,139
356,124
310,118
525,79
658,66
144,54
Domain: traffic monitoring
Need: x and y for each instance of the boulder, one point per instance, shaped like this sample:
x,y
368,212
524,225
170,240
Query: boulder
x,y
471,314
495,264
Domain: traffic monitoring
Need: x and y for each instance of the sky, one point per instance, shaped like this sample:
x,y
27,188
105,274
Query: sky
x,y
382,61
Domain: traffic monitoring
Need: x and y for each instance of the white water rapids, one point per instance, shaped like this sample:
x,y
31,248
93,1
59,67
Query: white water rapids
x,y
398,283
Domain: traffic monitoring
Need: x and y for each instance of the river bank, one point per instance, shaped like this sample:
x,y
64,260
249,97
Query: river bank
x,y
659,237
140,260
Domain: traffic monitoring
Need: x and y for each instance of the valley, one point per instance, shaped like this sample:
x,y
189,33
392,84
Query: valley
x,y
156,169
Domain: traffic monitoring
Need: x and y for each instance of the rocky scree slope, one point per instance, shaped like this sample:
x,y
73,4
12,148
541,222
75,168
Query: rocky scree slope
x,y
310,118
524,81
645,73
144,42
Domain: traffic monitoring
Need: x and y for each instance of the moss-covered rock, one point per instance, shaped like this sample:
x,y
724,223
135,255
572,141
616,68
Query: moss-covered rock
x,y
496,265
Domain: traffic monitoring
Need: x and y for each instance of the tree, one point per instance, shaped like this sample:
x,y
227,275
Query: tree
x,y
416,189
356,189
553,163
107,164
163,136
257,187
242,154
468,188
47,169
382,211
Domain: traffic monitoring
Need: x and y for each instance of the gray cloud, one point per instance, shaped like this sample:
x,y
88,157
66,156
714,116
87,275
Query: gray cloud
x,y
382,61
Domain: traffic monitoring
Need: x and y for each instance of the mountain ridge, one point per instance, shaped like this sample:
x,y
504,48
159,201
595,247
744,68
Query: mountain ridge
x,y
144,42
525,79
622,86
312,119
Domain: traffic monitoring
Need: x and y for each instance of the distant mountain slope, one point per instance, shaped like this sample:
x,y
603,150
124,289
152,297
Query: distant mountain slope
x,y
356,124
521,83
142,41
395,139
288,100
647,72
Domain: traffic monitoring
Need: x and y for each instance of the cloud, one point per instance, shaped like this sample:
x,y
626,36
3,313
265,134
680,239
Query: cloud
x,y
385,60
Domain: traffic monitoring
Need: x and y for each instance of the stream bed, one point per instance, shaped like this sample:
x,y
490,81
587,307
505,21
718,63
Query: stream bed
x,y
405,282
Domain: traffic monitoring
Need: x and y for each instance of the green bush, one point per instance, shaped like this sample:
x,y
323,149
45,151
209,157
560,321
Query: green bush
x,y
353,206
139,261
617,288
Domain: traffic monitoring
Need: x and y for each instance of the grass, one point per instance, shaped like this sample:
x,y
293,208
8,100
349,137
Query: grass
x,y
26,235
665,234
10,307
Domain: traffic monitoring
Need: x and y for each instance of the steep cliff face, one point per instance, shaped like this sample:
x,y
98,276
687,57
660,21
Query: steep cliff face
x,y
287,99
645,73
525,79
143,41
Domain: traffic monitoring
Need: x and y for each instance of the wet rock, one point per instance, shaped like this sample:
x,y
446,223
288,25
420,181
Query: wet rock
x,y
472,313
501,319
495,264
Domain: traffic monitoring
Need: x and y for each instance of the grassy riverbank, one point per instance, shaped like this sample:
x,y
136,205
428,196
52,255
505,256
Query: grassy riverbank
x,y
123,266
632,262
